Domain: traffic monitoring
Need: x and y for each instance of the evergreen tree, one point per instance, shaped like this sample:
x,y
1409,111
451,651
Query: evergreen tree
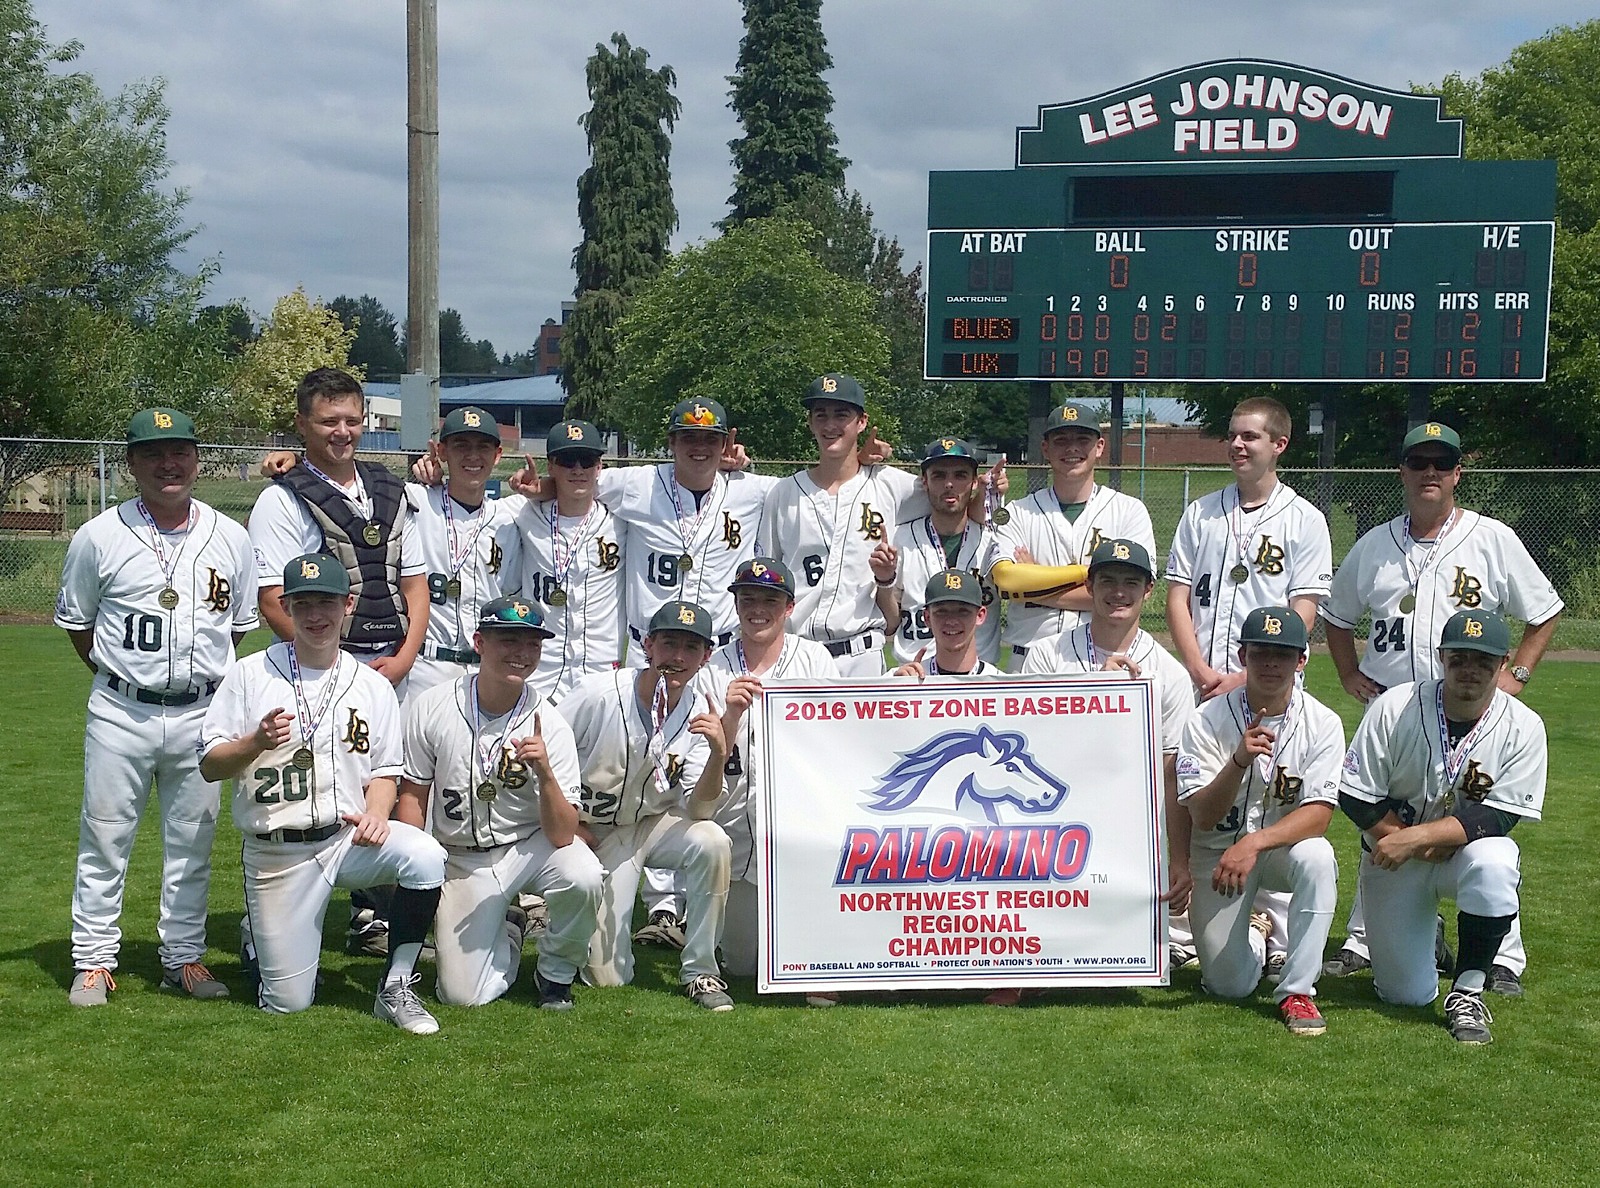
x,y
377,334
788,147
626,210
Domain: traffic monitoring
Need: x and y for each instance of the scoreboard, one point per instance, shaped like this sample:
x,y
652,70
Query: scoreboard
x,y
1404,269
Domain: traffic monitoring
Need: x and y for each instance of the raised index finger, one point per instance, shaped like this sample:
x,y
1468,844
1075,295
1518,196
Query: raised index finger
x,y
536,730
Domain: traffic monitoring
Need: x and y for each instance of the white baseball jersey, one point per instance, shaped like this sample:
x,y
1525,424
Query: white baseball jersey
x,y
1479,564
281,529
357,738
480,548
583,557
112,584
921,555
455,752
801,659
1283,547
1302,769
664,524
1038,524
826,540
1074,651
612,731
1399,753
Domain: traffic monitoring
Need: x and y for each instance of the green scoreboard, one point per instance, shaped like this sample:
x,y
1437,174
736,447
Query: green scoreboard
x,y
1242,220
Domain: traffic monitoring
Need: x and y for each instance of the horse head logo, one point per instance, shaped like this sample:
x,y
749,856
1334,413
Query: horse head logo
x,y
981,766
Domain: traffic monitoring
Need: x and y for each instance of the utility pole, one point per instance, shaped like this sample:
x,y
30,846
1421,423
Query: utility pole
x,y
419,390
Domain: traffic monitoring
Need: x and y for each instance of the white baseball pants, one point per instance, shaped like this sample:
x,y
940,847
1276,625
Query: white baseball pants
x,y
1512,955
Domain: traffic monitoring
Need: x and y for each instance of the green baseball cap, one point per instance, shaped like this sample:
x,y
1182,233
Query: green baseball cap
x,y
683,616
470,420
953,585
844,389
1476,631
949,447
699,412
764,573
1277,626
1073,416
512,614
574,437
315,573
1122,552
1432,433
161,424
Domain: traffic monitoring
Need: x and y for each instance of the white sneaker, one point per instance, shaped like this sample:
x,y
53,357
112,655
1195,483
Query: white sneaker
x,y
398,1004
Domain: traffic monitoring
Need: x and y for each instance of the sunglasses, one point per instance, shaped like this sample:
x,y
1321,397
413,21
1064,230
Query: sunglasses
x,y
1429,461
575,461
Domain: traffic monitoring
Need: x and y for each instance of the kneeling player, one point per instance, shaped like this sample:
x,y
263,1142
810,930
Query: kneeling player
x,y
311,739
1437,776
652,774
1259,773
501,769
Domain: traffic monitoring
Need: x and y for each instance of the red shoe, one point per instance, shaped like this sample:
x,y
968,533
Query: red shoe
x,y
1300,1015
1011,996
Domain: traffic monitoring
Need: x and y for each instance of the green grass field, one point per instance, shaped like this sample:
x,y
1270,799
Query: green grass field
x,y
638,1086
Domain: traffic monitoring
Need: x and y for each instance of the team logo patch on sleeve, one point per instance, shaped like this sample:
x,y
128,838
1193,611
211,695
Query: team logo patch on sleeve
x,y
1188,765
1352,763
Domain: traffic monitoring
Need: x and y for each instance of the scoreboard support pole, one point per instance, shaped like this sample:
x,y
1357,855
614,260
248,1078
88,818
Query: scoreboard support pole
x,y
1118,391
1038,412
1326,449
1419,404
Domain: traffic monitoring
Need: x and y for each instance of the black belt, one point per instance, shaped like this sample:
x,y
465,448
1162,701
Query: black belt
x,y
1018,650
160,697
843,647
300,835
723,640
452,656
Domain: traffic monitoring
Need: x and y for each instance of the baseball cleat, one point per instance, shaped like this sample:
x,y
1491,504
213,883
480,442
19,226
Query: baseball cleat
x,y
1183,956
89,987
1344,963
663,928
1275,964
368,935
398,1004
822,999
1467,1018
538,914
195,980
1300,1015
711,992
553,996
1504,980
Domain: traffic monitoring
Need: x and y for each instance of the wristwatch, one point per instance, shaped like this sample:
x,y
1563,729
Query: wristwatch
x,y
1521,673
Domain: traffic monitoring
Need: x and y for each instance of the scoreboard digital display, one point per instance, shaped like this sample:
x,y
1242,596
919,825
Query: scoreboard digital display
x,y
1409,302
1239,221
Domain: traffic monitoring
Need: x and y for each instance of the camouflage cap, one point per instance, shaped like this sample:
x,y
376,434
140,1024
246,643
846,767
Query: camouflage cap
x,y
512,614
699,412
948,447
764,573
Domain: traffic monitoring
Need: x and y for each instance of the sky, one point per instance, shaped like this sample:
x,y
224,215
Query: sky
x,y
288,116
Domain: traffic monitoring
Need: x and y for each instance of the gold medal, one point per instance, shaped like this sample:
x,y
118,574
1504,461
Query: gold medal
x,y
558,597
1408,603
452,588
168,599
487,791
372,533
304,759
1238,573
685,563
1000,516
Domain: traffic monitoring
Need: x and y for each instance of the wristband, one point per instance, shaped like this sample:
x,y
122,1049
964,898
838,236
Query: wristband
x,y
1236,763
878,581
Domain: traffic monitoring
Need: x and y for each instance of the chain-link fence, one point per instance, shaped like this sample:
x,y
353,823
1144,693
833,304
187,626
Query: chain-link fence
x,y
50,488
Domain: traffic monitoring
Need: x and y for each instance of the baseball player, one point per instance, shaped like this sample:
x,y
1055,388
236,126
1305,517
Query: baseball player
x,y
653,751
954,606
154,595
1253,543
471,548
359,513
572,563
826,522
946,538
1412,574
764,598
1258,771
1437,776
1062,525
1121,577
499,766
311,739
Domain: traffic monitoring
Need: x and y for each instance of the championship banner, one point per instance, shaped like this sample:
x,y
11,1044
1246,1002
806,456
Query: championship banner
x,y
961,834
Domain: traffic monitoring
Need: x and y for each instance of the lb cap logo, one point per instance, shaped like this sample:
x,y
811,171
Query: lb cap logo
x,y
829,384
310,569
757,569
952,581
574,433
686,615
1472,629
520,609
1432,429
947,443
163,421
700,415
472,418
1120,551
1068,413
1272,625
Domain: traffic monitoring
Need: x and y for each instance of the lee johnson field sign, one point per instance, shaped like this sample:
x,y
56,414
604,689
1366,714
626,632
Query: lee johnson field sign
x,y
961,834
1242,220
